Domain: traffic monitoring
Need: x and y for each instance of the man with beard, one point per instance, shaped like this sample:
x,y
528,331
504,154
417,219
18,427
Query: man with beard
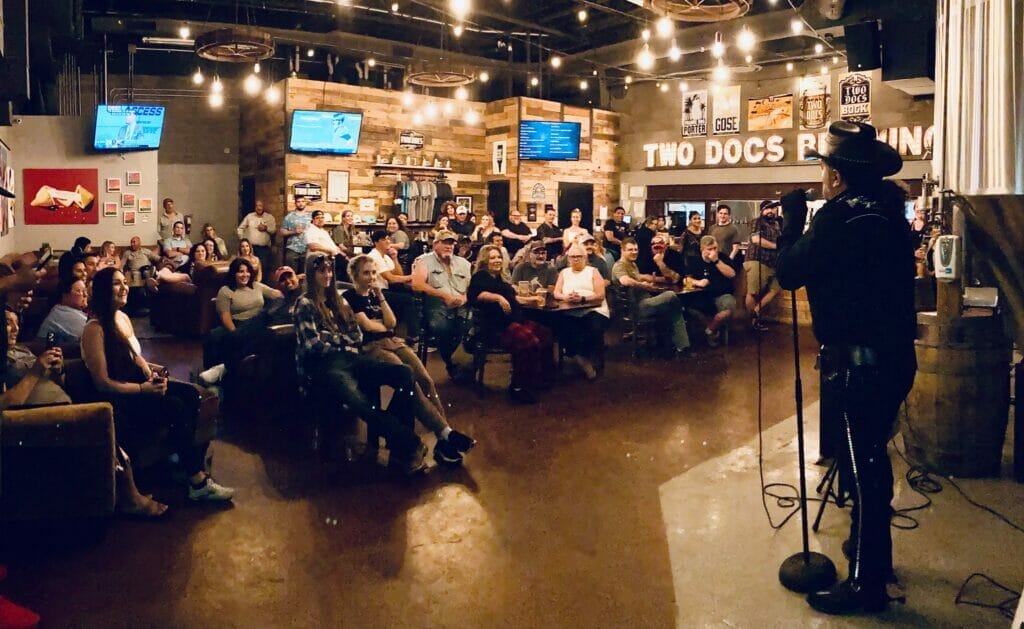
x,y
443,279
760,263
862,310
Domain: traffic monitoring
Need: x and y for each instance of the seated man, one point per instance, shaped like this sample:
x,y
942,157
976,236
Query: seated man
x,y
664,262
663,304
395,284
80,247
536,267
443,279
594,259
176,247
714,276
319,241
66,320
137,258
289,283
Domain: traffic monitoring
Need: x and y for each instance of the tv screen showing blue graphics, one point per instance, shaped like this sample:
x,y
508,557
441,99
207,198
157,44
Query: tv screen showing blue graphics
x,y
128,127
539,140
325,132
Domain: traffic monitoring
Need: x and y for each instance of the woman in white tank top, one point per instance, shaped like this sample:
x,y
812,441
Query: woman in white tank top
x,y
582,284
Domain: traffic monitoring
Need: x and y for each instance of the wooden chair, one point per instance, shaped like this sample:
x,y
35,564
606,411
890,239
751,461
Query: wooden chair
x,y
625,304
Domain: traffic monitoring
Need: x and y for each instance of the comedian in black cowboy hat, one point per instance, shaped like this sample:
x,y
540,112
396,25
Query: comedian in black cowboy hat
x,y
857,261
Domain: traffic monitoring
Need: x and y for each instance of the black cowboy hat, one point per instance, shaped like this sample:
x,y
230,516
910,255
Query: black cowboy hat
x,y
853,149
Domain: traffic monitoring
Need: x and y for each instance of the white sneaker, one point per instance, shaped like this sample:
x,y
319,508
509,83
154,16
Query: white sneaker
x,y
213,375
210,491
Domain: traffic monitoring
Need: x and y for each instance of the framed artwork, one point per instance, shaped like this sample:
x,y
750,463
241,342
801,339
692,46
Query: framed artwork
x,y
145,206
128,199
113,184
6,180
61,196
467,202
133,178
128,218
110,208
337,186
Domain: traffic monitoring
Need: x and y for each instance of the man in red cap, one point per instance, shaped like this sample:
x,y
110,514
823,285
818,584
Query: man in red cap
x,y
857,262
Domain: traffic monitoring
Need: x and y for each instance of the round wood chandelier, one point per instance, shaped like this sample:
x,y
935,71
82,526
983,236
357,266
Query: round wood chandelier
x,y
699,10
439,78
236,44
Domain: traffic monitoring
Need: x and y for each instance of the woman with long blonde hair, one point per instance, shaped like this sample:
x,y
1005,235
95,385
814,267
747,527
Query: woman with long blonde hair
x,y
327,357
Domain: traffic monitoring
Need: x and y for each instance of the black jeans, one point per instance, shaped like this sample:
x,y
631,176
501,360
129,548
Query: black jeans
x,y
354,381
448,326
138,418
222,346
868,393
582,336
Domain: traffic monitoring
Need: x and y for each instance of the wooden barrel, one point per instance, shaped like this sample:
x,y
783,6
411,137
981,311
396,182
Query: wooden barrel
x,y
957,412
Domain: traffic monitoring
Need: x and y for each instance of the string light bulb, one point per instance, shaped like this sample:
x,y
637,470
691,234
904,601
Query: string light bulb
x,y
216,100
645,60
721,73
664,26
216,87
184,32
310,53
664,87
252,85
718,48
394,7
789,67
748,58
835,59
459,8
797,26
645,34
198,78
484,77
461,94
584,85
417,119
824,70
272,95
628,79
818,48
447,109
471,117
407,98
430,111
371,62
556,62
457,30
534,81
674,53
746,40
683,86
344,3
582,16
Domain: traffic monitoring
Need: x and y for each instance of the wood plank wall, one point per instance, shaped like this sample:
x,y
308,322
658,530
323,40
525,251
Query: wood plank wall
x,y
469,147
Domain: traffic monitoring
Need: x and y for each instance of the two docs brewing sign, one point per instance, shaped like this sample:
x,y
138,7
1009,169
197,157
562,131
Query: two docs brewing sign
x,y
855,97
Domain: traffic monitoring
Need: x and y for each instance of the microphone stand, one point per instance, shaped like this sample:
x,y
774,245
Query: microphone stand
x,y
805,571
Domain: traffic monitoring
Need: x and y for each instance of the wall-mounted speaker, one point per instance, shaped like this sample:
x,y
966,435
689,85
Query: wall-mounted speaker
x,y
863,46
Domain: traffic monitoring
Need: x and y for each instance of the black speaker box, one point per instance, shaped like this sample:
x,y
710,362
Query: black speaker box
x,y
863,46
908,49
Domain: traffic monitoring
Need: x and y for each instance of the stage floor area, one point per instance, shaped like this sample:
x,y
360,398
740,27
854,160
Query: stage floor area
x,y
631,501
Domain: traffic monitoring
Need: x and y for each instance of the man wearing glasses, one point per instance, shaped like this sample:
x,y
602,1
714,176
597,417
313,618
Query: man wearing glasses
x,y
443,278
516,233
536,267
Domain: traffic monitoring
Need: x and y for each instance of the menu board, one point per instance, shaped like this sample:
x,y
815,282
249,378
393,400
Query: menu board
x,y
541,140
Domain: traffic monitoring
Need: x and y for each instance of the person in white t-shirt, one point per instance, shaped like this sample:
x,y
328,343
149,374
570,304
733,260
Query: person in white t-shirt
x,y
395,283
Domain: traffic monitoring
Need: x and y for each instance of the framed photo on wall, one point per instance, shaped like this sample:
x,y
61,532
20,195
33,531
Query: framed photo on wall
x,y
113,184
337,186
128,218
466,202
145,206
110,209
133,178
128,200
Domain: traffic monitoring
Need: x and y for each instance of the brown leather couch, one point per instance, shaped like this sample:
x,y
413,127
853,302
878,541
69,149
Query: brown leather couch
x,y
187,309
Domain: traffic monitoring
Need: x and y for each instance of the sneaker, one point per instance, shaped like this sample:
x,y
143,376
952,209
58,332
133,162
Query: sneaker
x,y
416,464
445,453
849,597
210,491
213,375
462,442
712,337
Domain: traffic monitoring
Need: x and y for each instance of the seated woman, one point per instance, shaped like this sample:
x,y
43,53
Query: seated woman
x,y
579,283
378,321
66,320
143,397
38,382
220,248
108,256
442,225
482,233
198,258
399,238
500,320
327,359
245,252
243,321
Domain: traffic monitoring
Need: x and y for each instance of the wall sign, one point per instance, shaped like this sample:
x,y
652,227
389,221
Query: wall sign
x,y
538,192
337,186
773,112
814,103
308,189
499,158
913,143
726,119
695,113
410,140
855,97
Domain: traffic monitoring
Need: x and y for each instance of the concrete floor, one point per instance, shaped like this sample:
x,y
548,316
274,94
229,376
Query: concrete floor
x,y
631,501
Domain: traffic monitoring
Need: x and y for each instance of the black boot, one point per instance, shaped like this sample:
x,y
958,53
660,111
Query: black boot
x,y
849,549
848,597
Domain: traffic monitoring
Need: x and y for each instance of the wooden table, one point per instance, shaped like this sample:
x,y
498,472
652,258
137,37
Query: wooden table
x,y
555,305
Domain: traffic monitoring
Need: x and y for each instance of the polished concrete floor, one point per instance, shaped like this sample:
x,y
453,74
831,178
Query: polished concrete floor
x,y
631,501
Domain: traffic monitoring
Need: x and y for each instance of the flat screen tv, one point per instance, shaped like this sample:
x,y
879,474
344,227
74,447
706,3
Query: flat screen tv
x,y
128,127
549,141
335,132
